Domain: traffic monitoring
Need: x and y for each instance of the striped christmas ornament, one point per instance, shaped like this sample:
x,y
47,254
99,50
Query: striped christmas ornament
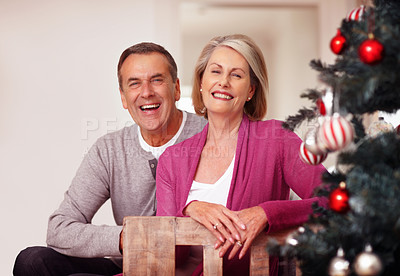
x,y
311,158
336,133
312,143
356,14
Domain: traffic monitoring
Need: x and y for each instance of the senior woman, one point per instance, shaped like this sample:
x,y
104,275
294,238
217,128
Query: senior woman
x,y
235,176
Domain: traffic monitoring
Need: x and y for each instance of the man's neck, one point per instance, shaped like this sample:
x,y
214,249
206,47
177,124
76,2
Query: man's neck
x,y
162,136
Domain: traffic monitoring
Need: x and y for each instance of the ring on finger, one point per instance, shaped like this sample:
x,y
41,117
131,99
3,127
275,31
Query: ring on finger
x,y
215,226
239,243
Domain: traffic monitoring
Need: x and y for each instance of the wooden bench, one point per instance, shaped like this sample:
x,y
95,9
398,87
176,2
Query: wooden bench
x,y
149,246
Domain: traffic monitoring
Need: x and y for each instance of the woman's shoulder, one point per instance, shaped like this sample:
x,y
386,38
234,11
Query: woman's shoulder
x,y
270,129
267,125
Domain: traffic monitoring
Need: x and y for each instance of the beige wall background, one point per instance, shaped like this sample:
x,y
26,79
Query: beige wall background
x,y
59,93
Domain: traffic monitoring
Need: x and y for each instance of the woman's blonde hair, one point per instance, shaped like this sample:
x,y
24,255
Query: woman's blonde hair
x,y
256,108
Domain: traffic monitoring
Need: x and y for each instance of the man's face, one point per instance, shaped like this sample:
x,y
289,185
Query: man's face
x,y
148,91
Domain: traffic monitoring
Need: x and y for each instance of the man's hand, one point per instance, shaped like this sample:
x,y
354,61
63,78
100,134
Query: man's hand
x,y
121,241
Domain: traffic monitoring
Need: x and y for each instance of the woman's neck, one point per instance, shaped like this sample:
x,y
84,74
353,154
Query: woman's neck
x,y
223,129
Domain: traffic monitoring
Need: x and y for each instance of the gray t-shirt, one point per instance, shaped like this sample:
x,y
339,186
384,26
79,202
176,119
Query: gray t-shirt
x,y
116,168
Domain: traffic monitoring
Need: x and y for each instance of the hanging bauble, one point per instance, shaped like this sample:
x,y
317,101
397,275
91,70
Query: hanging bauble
x,y
311,142
339,266
338,43
371,51
336,133
356,14
321,106
379,127
311,158
367,263
339,199
398,129
325,103
291,239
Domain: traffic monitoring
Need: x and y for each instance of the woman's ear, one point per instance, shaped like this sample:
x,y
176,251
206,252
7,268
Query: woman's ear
x,y
251,91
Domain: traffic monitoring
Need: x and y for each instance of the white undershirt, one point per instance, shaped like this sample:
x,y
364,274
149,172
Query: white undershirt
x,y
213,193
157,151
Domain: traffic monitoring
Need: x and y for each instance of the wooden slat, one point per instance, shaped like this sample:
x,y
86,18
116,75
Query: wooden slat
x,y
189,232
212,262
149,247
259,259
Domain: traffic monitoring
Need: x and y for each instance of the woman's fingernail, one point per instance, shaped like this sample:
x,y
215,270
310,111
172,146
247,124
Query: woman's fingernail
x,y
238,237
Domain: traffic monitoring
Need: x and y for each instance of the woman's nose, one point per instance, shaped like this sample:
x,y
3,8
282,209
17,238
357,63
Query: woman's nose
x,y
224,81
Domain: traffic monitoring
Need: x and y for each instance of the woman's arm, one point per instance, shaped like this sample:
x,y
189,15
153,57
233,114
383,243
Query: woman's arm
x,y
165,190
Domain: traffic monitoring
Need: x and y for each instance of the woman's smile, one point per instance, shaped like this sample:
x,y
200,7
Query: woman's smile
x,y
222,95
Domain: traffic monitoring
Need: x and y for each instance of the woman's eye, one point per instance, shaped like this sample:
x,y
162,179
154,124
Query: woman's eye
x,y
236,75
215,71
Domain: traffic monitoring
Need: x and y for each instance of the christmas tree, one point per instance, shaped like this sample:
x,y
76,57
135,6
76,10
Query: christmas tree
x,y
358,231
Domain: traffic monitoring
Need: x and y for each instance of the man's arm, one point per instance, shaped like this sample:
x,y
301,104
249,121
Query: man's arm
x,y
69,229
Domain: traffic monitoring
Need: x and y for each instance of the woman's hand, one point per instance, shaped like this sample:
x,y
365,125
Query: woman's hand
x,y
221,221
256,221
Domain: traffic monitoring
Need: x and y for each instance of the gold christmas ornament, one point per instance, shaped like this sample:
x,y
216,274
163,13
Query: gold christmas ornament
x,y
339,266
367,263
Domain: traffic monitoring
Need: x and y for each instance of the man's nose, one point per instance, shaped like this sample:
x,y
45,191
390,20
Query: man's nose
x,y
146,89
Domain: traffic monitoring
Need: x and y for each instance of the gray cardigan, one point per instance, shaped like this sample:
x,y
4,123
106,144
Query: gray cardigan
x,y
117,168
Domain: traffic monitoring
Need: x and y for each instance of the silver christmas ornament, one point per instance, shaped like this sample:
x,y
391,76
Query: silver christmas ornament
x,y
367,263
379,127
339,266
311,141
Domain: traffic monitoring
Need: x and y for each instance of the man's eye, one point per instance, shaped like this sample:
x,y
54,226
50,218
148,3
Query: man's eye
x,y
134,84
157,81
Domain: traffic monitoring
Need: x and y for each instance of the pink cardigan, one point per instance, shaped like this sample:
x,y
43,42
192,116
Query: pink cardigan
x,y
267,166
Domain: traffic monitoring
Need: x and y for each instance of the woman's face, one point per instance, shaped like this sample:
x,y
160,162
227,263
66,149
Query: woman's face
x,y
226,83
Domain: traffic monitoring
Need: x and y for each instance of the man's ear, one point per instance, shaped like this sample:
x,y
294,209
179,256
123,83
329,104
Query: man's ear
x,y
123,99
177,92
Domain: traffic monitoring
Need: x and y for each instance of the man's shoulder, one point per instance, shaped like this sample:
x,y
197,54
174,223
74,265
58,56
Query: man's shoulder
x,y
123,135
195,121
194,124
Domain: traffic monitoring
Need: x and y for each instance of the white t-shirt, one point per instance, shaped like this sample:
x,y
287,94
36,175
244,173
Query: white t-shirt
x,y
157,151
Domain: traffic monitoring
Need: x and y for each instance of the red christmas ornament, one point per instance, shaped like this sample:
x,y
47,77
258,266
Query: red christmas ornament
x,y
398,129
325,103
311,158
336,133
371,51
338,43
339,199
321,107
356,14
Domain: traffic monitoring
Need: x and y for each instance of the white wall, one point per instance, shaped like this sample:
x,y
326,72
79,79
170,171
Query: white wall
x,y
58,93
